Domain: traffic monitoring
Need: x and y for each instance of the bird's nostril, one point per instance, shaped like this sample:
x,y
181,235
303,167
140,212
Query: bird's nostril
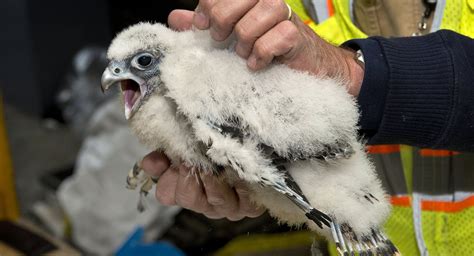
x,y
117,70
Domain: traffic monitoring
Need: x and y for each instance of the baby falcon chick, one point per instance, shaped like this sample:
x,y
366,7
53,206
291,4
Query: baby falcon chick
x,y
290,135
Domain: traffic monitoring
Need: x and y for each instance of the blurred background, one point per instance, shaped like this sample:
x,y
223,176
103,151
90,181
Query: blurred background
x,y
65,149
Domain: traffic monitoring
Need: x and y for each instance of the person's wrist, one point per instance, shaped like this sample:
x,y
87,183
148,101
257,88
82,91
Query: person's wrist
x,y
355,74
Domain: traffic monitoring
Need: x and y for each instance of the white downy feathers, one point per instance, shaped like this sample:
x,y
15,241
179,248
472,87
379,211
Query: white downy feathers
x,y
206,109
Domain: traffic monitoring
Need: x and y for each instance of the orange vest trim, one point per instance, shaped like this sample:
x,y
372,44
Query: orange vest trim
x,y
426,205
383,149
330,6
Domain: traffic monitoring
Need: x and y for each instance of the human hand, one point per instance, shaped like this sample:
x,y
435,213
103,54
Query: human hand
x,y
204,193
264,33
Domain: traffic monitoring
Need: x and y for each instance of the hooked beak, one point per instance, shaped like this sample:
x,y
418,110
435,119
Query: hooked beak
x,y
108,79
133,87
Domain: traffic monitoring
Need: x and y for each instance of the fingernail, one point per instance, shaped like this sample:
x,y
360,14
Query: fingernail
x,y
252,62
200,20
216,201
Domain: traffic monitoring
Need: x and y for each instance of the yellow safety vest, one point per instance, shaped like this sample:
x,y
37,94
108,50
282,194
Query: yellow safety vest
x,y
457,15
439,224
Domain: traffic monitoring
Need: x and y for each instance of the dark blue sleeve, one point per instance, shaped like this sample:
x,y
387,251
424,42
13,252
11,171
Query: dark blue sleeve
x,y
418,90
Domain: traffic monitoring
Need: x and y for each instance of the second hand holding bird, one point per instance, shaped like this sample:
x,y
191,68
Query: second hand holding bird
x,y
208,195
263,34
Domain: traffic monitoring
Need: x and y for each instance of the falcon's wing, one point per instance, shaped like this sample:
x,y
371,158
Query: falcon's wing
x,y
234,129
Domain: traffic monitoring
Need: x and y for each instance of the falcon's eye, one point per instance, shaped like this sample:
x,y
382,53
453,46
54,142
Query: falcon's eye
x,y
143,61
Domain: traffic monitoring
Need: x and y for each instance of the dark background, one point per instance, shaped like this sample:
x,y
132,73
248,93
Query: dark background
x,y
39,38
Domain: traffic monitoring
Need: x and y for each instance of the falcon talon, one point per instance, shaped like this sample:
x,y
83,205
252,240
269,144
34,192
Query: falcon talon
x,y
137,176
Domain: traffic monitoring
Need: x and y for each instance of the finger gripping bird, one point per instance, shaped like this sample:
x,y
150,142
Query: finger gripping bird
x,y
290,135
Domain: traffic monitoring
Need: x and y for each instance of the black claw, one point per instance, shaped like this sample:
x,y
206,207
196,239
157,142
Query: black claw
x,y
136,169
129,186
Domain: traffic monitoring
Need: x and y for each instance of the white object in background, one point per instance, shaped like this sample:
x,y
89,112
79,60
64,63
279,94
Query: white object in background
x,y
102,212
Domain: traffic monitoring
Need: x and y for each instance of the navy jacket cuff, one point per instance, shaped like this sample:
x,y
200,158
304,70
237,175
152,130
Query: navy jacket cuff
x,y
371,98
408,90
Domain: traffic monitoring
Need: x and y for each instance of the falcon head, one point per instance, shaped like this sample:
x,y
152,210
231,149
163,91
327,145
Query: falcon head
x,y
134,63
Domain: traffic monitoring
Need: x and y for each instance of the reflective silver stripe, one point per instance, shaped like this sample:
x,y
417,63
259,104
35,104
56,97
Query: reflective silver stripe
x,y
416,207
321,9
438,15
351,10
462,195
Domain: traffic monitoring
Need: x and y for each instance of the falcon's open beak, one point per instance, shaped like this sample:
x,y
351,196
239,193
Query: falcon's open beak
x,y
133,87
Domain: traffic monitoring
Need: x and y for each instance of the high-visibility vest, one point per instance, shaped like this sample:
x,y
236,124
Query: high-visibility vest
x,y
432,191
457,15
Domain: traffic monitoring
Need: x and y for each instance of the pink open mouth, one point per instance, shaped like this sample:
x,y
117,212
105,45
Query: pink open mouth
x,y
131,95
